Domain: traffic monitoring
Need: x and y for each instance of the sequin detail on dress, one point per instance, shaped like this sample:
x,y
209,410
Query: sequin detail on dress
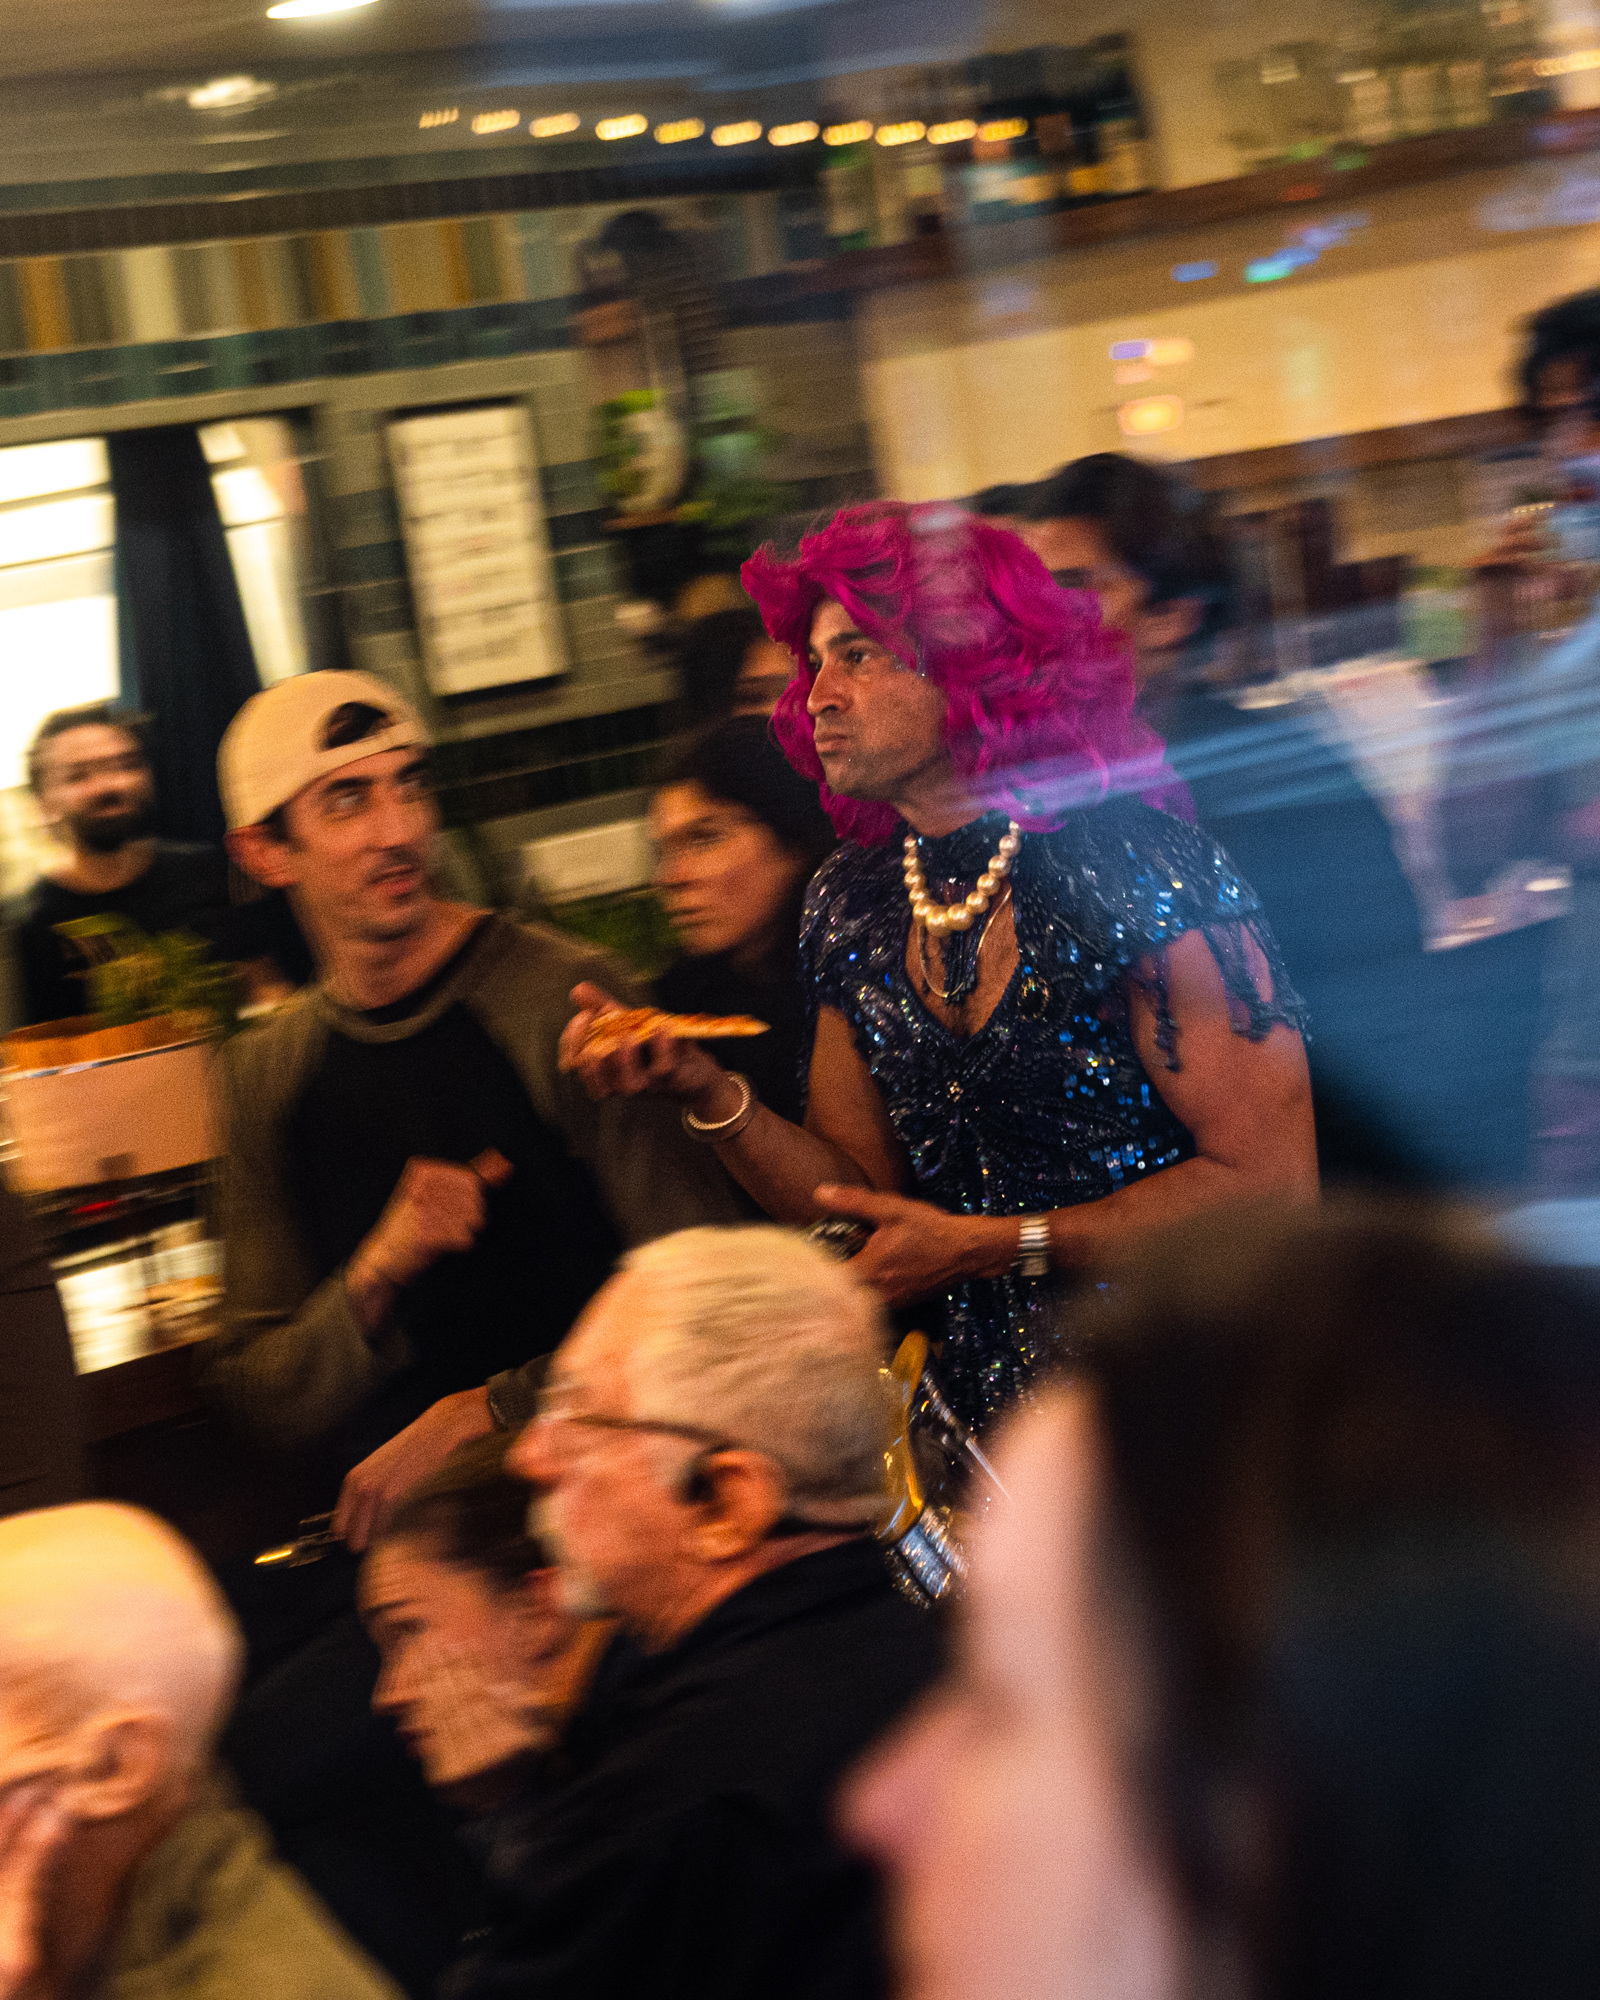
x,y
1048,1104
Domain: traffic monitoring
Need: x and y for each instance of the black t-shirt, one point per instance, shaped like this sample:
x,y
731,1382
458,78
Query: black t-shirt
x,y
184,889
446,1092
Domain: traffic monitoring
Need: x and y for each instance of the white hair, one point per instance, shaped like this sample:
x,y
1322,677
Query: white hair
x,y
107,1607
763,1338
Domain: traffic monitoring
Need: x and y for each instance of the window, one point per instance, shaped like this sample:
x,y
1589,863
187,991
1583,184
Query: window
x,y
255,473
58,614
58,607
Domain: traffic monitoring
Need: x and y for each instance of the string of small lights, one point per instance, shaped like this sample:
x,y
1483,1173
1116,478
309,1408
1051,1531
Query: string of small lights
x,y
743,132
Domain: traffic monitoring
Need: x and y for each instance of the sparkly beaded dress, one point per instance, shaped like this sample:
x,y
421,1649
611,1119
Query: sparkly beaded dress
x,y
1048,1104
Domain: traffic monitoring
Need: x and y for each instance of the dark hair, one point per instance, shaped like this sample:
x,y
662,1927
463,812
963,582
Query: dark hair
x,y
709,659
1568,330
738,762
473,1513
1010,502
1155,522
1350,1473
133,723
352,722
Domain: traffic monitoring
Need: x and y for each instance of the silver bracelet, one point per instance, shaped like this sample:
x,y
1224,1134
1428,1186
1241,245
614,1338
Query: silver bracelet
x,y
1033,1248
724,1128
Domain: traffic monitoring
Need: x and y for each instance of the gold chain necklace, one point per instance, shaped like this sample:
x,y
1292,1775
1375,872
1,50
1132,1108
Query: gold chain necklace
x,y
942,992
959,916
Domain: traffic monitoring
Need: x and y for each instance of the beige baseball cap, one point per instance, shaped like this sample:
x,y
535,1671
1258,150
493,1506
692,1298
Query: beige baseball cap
x,y
288,736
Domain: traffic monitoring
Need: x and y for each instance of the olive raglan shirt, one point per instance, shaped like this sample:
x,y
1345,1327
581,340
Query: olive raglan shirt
x,y
325,1104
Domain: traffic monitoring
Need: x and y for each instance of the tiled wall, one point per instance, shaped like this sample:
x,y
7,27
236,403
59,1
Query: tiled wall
x,y
383,276
348,326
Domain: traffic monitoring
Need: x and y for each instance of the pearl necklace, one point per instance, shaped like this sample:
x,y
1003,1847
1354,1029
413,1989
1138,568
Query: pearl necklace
x,y
938,917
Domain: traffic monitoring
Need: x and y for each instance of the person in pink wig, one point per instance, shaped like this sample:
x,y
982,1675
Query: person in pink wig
x,y
1046,1013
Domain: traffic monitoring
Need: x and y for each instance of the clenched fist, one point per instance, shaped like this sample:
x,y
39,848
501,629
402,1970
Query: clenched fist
x,y
438,1209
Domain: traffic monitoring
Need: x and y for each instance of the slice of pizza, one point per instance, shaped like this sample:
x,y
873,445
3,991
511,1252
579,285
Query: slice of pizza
x,y
625,1027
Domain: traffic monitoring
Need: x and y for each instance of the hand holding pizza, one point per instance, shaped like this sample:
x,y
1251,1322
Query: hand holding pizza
x,y
631,1051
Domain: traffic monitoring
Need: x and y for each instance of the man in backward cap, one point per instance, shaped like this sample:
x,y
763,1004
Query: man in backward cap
x,y
417,1201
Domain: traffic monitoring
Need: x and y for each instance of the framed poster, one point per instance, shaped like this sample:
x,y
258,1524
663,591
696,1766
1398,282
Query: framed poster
x,y
481,574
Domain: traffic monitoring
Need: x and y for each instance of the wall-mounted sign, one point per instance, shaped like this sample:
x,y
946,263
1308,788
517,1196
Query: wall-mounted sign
x,y
480,566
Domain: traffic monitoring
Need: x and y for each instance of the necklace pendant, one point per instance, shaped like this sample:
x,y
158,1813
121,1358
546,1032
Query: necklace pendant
x,y
1033,996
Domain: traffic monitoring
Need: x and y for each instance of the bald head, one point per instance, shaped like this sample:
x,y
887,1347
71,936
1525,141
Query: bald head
x,y
106,1610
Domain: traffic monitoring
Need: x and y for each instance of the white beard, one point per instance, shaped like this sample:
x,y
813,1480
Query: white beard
x,y
581,1594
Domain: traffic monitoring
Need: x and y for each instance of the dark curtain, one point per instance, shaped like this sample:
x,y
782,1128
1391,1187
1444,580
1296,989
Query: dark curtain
x,y
184,647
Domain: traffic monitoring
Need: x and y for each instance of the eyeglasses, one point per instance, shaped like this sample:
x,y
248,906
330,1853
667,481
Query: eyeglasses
x,y
555,1407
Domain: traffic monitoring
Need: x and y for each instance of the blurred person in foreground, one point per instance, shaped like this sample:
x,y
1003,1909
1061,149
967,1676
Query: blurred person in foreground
x,y
1289,808
1045,1012
89,771
125,1873
738,834
728,666
1553,784
416,1204
1280,1672
481,1660
708,1461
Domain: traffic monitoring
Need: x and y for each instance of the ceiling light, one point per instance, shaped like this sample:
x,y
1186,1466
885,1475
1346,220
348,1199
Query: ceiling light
x,y
848,135
430,119
294,10
622,128
496,121
901,135
1000,129
1149,415
555,125
799,134
952,133
736,135
228,93
679,130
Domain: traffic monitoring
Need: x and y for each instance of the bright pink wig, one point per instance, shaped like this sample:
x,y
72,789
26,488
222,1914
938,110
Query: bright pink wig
x,y
1039,694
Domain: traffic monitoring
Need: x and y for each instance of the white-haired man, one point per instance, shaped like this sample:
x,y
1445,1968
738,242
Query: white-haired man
x,y
122,1872
709,1456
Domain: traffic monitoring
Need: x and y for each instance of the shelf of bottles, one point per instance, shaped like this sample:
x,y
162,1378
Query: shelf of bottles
x,y
1401,69
1032,132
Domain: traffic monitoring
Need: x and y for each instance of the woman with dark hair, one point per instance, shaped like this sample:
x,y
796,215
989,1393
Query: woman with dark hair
x,y
1280,1675
738,835
481,1662
1046,1013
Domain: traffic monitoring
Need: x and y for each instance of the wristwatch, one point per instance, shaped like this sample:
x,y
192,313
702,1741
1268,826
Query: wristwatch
x,y
1033,1248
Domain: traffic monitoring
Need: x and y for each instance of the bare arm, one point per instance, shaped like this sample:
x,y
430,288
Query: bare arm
x,y
1246,1104
847,1139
